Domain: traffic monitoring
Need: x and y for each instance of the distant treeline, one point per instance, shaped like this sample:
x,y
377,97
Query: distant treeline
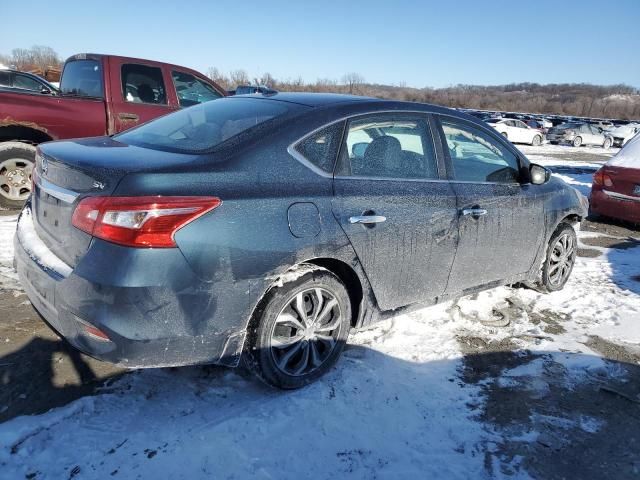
x,y
583,100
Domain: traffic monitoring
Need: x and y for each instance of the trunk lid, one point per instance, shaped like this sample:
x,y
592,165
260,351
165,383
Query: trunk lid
x,y
625,180
68,171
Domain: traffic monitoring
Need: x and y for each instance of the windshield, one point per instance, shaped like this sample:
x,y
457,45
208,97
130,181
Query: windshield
x,y
202,127
566,126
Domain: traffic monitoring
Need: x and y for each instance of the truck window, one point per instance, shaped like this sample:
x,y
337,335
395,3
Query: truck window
x,y
82,78
191,90
143,84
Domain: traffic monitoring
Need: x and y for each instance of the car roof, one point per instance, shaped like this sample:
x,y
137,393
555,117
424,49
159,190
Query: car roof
x,y
312,99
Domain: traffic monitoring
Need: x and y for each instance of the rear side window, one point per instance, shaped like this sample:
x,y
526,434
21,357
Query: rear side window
x,y
192,90
82,78
321,148
477,157
202,127
389,146
5,79
143,84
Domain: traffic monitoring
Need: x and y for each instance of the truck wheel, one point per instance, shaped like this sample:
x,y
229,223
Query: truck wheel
x,y
577,141
16,163
300,328
607,143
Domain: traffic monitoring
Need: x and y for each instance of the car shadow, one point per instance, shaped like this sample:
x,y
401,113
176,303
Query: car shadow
x,y
548,414
44,374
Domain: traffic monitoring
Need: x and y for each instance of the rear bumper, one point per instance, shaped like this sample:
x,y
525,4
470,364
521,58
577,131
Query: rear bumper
x,y
613,205
151,306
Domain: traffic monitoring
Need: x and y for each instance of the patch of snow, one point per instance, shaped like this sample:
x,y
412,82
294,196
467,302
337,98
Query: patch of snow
x,y
8,276
36,248
629,156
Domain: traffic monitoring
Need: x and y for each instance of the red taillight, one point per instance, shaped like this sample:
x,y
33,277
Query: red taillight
x,y
140,221
601,178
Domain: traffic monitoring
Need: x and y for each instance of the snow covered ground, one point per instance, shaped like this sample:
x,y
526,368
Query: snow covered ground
x,y
407,400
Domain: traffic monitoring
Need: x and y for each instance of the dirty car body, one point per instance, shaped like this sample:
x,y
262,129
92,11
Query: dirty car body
x,y
297,179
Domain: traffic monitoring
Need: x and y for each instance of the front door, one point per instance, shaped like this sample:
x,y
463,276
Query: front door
x,y
500,221
138,94
396,208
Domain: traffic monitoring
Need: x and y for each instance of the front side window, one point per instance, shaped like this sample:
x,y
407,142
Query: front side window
x,y
321,148
202,127
143,84
192,90
389,146
82,78
26,83
477,157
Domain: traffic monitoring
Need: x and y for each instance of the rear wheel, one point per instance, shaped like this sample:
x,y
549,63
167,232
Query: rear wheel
x,y
607,143
537,141
300,329
577,141
16,164
561,256
504,134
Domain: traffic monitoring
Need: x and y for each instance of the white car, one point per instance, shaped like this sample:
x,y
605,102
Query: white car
x,y
622,134
517,131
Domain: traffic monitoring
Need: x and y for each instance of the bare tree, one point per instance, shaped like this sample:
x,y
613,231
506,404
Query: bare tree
x,y
353,81
238,77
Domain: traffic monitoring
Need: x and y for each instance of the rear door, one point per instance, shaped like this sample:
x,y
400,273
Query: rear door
x,y
395,206
500,220
138,93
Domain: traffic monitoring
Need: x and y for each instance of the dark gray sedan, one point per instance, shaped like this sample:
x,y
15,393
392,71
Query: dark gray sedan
x,y
264,228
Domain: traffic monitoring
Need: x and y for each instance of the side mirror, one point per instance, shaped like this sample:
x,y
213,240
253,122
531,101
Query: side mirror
x,y
45,91
539,174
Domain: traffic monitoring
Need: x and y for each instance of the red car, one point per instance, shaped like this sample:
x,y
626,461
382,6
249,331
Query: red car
x,y
615,191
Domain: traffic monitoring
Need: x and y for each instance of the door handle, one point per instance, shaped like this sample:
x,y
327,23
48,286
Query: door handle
x,y
474,212
128,116
366,219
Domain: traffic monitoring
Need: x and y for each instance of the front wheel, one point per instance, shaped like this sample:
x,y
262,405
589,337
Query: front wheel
x,y
607,143
300,329
16,164
561,256
577,141
537,141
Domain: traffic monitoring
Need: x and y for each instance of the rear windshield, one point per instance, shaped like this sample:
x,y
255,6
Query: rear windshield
x,y
82,78
565,126
202,127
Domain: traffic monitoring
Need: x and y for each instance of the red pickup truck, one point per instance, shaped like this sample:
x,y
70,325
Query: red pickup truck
x,y
99,95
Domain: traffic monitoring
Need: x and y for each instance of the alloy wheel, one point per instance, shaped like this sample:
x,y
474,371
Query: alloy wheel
x,y
306,331
562,256
15,179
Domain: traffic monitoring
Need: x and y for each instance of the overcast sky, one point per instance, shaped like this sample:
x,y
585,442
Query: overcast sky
x,y
428,43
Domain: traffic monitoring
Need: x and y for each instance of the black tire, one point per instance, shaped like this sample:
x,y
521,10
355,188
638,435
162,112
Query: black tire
x,y
271,363
536,141
552,142
577,141
16,162
547,282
